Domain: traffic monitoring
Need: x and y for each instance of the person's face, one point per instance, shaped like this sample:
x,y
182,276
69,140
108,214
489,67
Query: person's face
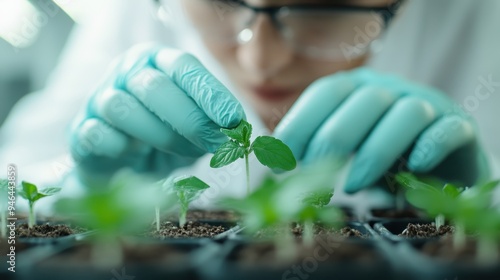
x,y
270,74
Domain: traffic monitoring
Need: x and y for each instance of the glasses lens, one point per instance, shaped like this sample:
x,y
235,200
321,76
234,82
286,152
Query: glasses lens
x,y
219,21
331,34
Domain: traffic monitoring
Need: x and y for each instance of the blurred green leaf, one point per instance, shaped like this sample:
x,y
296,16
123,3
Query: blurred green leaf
x,y
451,190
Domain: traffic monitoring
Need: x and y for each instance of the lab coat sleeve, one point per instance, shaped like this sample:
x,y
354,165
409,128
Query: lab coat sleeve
x,y
34,137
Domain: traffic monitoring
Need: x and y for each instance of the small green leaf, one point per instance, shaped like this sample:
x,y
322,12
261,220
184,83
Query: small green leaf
x,y
411,181
190,183
226,154
451,190
38,196
273,153
318,199
50,191
29,191
240,134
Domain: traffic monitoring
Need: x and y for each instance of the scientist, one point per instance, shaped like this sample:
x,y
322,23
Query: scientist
x,y
161,109
301,70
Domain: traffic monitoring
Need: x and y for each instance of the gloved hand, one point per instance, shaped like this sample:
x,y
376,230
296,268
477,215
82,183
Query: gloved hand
x,y
158,109
381,119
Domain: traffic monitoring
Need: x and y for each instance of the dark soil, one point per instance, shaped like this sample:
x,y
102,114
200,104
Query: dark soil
x,y
297,229
81,255
336,250
190,230
425,231
204,215
45,230
395,214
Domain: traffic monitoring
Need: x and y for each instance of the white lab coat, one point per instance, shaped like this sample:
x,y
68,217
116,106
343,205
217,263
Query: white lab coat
x,y
450,44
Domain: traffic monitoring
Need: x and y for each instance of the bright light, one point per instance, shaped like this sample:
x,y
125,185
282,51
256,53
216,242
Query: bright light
x,y
20,22
245,36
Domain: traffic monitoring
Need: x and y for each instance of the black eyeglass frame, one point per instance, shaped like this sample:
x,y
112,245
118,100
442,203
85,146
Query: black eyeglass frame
x,y
387,12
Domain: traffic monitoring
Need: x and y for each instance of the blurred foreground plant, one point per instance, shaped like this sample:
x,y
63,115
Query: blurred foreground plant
x,y
124,207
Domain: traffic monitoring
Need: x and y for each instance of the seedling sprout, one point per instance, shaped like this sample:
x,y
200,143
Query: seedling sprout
x,y
182,190
125,206
270,151
31,193
468,209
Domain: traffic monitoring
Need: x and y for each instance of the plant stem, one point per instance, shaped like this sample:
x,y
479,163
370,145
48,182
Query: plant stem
x,y
247,167
487,250
439,221
285,244
157,212
31,218
308,233
182,216
4,224
458,237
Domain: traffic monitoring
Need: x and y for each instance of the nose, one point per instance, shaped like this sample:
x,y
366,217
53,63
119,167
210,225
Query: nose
x,y
264,54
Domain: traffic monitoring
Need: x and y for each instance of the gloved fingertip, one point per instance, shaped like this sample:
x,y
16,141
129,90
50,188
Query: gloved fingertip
x,y
354,184
418,162
359,177
233,119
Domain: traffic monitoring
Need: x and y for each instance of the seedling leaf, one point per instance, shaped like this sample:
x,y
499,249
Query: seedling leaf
x,y
227,153
451,191
190,186
409,180
29,191
318,199
273,153
240,134
49,191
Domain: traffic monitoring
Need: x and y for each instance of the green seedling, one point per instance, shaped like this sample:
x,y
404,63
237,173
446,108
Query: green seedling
x,y
300,197
437,201
181,190
468,209
31,193
313,209
4,190
475,215
310,191
124,207
270,151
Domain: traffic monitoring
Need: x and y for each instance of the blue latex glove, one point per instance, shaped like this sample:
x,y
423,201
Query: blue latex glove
x,y
387,123
158,109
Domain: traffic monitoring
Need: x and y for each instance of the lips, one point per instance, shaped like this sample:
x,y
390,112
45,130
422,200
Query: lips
x,y
272,94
